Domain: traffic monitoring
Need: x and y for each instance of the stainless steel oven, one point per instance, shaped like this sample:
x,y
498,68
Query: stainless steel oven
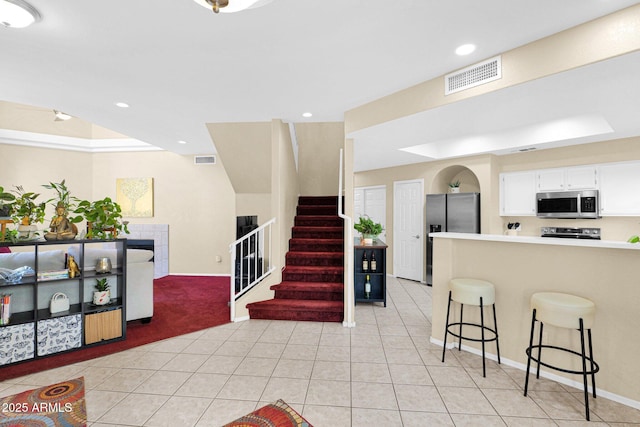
x,y
570,233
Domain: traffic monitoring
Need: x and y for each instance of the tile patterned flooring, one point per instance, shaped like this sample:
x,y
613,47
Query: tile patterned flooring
x,y
384,372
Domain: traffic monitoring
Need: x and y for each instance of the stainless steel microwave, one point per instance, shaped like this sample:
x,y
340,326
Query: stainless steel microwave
x,y
568,204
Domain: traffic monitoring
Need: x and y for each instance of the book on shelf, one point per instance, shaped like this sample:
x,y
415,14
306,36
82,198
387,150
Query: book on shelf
x,y
5,309
53,274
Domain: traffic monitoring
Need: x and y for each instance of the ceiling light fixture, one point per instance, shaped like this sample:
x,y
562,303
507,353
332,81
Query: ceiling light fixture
x,y
182,142
60,116
230,6
465,49
17,14
307,114
122,105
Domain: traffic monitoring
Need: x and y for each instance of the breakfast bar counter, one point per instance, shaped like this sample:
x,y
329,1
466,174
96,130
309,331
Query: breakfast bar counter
x,y
606,272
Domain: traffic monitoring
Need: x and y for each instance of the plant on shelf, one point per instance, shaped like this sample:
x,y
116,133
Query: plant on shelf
x,y
368,229
64,199
25,210
104,218
454,186
102,294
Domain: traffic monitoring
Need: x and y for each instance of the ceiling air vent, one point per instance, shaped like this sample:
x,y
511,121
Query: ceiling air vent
x,y
474,75
204,160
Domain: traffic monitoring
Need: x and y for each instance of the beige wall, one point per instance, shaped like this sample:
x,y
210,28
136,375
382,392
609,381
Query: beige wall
x,y
197,201
319,147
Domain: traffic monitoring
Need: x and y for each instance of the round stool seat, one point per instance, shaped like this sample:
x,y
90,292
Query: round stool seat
x,y
469,291
563,310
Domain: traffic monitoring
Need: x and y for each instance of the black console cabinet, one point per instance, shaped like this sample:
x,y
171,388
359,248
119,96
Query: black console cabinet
x,y
377,277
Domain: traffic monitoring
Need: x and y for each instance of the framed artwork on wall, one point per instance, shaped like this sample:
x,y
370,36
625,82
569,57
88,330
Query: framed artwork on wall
x,y
135,197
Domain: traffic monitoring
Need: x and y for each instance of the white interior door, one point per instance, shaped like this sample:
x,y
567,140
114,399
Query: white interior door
x,y
408,240
371,201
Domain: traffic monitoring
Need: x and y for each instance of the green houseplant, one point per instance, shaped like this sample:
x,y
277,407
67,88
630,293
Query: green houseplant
x,y
104,218
454,186
368,229
26,212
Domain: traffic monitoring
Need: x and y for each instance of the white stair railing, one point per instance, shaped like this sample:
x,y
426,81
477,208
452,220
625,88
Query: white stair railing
x,y
250,261
348,235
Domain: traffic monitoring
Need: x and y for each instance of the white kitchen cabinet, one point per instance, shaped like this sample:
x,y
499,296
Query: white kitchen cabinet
x,y
619,184
567,179
518,193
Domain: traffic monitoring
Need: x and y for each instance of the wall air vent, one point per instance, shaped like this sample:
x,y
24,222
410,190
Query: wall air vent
x,y
474,75
204,160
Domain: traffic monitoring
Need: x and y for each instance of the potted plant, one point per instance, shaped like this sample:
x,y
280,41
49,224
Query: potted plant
x,y
6,201
454,186
26,212
102,294
368,229
104,218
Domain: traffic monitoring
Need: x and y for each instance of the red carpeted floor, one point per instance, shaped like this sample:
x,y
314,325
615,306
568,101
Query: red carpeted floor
x,y
182,304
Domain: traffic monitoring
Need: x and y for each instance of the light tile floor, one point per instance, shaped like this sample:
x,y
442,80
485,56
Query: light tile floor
x,y
384,372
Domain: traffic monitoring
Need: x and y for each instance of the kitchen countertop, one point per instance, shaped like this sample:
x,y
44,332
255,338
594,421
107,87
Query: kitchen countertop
x,y
585,243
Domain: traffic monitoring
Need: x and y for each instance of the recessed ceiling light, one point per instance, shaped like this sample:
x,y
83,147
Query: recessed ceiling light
x,y
465,49
307,114
17,14
182,142
122,104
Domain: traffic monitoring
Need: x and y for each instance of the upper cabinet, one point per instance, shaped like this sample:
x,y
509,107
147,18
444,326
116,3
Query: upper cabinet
x,y
619,195
518,193
567,179
617,183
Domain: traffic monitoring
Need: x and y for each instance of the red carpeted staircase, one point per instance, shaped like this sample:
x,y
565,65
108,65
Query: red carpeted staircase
x,y
312,280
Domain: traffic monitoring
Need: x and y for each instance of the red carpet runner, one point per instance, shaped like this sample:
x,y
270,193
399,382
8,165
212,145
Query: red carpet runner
x,y
312,281
182,304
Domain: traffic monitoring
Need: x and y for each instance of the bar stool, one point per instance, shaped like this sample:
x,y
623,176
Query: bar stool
x,y
479,293
563,311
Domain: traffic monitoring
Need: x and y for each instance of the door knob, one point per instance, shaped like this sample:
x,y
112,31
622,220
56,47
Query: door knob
x,y
417,236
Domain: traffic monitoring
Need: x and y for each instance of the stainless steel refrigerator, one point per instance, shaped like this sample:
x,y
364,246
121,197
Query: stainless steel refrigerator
x,y
453,212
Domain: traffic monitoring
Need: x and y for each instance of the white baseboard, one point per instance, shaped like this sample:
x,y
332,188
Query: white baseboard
x,y
240,319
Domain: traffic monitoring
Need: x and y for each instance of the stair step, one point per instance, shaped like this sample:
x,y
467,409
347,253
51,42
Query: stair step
x,y
316,210
318,200
315,258
325,291
318,221
288,309
307,232
316,245
295,273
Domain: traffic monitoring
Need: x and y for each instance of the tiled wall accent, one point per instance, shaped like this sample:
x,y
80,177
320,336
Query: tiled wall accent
x,y
160,235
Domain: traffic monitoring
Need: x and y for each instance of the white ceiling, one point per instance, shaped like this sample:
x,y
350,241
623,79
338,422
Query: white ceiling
x,y
180,66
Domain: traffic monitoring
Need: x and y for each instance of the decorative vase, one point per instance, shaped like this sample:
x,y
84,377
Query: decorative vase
x,y
101,297
454,189
367,239
103,265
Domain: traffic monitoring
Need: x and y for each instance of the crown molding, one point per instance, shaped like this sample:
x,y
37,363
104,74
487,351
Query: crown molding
x,y
57,142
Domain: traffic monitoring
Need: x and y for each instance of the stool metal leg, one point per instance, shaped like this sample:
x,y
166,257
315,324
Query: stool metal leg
x,y
539,351
584,369
593,374
446,328
530,349
460,330
495,324
484,367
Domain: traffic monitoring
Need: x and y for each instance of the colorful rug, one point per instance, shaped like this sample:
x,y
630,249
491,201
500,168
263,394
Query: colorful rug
x,y
59,404
277,414
181,304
